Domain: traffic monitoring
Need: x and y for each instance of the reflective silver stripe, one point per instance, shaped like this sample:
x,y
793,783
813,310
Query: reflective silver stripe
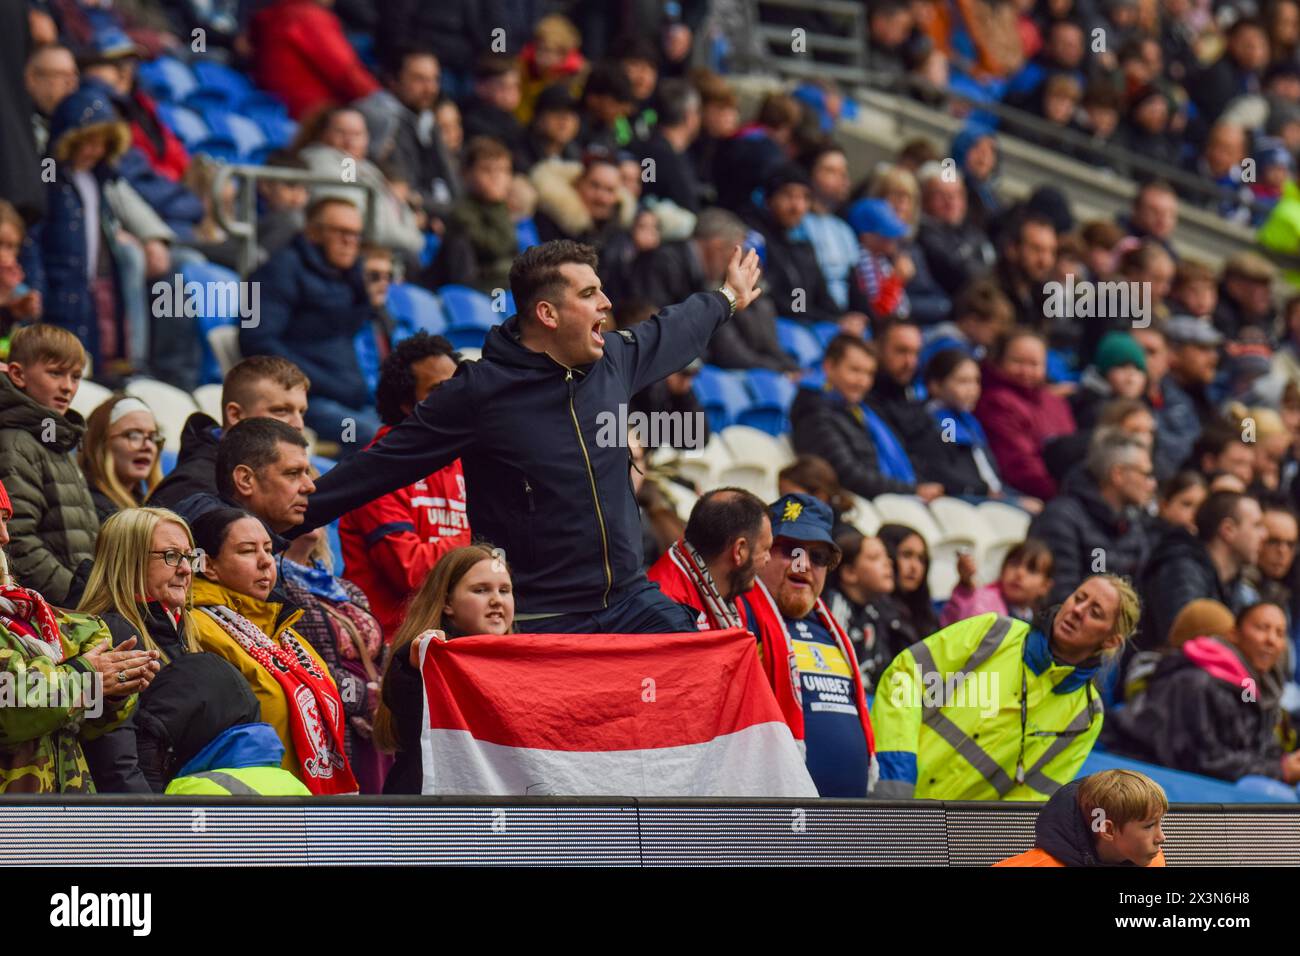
x,y
990,643
974,754
232,784
925,664
1034,776
893,790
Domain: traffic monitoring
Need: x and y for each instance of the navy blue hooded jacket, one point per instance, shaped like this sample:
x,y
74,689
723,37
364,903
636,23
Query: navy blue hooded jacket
x,y
546,470
54,252
310,314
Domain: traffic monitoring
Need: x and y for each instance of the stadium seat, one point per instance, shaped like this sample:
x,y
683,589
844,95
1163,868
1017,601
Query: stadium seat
x,y
755,458
470,354
415,310
226,312
723,395
224,342
90,395
773,394
824,332
797,342
959,518
218,78
167,460
911,511
190,127
863,516
683,499
702,468
167,79
208,398
169,404
240,130
1007,526
221,148
336,547
469,315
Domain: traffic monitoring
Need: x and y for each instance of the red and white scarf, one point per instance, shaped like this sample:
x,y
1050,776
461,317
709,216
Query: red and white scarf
x,y
29,617
721,613
315,710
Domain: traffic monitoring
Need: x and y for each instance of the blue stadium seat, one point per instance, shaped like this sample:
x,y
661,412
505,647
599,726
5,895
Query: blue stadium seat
x,y
240,130
469,315
798,342
772,394
167,461
415,309
206,272
723,395
824,332
1060,367
336,547
220,147
221,79
188,125
167,79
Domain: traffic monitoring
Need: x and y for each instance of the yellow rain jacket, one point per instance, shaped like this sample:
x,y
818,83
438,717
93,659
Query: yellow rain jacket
x,y
950,724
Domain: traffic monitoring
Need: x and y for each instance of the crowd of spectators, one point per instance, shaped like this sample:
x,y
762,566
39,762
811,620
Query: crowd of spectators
x,y
1154,452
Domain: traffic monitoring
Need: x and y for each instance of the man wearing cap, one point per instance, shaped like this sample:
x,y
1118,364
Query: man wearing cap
x,y
1193,361
807,656
878,280
727,540
794,279
1245,294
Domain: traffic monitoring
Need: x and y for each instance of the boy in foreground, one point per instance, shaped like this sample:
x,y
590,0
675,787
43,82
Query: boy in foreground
x,y
1111,818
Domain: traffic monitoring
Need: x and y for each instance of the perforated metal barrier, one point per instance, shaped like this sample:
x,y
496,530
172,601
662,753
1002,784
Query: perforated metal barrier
x,y
121,831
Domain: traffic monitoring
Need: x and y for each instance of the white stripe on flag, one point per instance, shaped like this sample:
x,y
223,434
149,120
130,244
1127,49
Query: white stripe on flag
x,y
761,760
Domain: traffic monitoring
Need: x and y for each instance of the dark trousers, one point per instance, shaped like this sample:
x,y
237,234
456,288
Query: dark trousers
x,y
644,611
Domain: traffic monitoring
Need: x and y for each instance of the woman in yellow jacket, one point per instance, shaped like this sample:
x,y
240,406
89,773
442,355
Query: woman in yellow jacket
x,y
241,617
991,708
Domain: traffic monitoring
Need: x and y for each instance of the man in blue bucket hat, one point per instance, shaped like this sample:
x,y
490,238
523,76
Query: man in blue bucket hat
x,y
877,283
806,654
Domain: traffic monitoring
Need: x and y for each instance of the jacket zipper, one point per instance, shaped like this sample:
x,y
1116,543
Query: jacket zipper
x,y
528,492
595,496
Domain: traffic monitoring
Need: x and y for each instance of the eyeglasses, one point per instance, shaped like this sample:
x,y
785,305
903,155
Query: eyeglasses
x,y
379,276
135,438
820,557
342,232
173,558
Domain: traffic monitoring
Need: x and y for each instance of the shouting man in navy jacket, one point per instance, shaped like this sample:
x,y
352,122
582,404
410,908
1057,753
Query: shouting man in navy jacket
x,y
530,423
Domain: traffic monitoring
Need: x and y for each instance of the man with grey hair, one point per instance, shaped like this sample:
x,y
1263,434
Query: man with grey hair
x,y
955,250
1099,522
679,269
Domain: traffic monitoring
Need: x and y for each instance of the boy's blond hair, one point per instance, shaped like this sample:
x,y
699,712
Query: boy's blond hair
x,y
33,344
1124,796
558,31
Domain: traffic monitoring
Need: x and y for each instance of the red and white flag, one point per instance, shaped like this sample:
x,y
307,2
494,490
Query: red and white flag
x,y
605,714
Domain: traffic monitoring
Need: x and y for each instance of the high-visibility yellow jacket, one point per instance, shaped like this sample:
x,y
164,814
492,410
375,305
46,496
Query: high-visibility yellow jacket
x,y
241,781
949,723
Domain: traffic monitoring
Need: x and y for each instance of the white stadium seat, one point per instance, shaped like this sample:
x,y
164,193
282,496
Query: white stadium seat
x,y
863,516
683,499
169,404
208,398
755,457
702,468
224,342
1008,526
90,395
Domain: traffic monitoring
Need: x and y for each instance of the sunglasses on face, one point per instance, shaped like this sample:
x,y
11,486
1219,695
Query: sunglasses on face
x,y
818,557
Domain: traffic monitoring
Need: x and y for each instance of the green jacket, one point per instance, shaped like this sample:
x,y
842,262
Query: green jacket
x,y
46,710
949,724
1281,230
55,523
489,231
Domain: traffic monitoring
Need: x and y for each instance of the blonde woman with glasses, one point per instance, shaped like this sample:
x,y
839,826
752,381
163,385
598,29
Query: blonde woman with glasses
x,y
121,454
144,567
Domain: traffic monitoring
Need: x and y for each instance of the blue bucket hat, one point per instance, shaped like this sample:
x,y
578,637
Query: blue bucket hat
x,y
802,518
876,216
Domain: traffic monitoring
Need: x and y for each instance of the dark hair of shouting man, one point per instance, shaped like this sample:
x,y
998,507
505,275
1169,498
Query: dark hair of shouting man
x,y
530,422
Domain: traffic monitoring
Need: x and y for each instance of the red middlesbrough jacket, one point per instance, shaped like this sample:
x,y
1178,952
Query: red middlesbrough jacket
x,y
390,544
301,55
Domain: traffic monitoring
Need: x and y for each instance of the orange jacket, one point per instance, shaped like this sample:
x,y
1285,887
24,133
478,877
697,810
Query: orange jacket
x,y
1037,857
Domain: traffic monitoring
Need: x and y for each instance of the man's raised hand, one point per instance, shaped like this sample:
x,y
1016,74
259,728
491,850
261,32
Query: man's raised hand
x,y
742,277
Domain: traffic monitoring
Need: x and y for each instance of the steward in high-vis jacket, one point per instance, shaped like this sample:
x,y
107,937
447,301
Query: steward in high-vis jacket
x,y
991,708
535,424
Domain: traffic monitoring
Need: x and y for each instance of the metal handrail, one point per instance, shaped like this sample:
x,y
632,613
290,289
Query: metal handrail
x,y
244,228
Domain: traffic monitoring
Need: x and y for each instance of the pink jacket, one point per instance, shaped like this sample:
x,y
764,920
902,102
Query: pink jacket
x,y
972,602
1018,422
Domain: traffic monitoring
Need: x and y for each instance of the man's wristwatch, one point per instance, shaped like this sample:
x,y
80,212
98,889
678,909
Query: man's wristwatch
x,y
731,297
